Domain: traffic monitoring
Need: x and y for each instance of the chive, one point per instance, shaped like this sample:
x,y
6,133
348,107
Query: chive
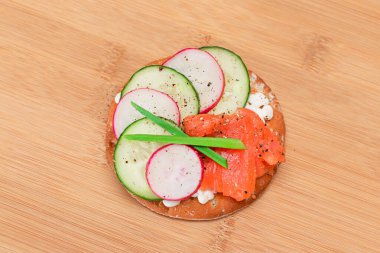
x,y
194,141
177,131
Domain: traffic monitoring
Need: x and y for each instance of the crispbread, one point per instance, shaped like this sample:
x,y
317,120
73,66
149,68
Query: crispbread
x,y
220,206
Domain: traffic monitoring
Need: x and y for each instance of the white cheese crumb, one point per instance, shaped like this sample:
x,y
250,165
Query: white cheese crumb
x,y
267,112
117,98
205,196
169,203
259,103
257,100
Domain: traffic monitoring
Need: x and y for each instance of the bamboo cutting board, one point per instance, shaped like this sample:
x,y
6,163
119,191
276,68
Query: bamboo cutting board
x,y
62,62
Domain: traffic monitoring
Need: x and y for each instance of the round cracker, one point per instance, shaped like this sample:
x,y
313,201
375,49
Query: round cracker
x,y
220,206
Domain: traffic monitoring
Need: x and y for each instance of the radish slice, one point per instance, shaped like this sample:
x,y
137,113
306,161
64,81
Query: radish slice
x,y
174,172
155,101
203,71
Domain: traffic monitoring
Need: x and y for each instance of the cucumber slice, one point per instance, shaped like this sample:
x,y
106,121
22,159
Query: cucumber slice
x,y
237,88
131,157
169,81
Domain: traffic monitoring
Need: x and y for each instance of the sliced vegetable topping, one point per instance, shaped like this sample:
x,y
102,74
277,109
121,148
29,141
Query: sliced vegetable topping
x,y
195,141
155,101
169,81
203,71
131,157
236,76
177,131
174,172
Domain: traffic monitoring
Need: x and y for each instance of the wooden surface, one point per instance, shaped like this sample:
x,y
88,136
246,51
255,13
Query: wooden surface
x,y
61,63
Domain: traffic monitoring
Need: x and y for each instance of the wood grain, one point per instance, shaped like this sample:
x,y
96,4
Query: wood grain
x,y
61,64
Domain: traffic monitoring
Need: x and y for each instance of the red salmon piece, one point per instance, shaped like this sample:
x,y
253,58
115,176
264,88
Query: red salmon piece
x,y
263,151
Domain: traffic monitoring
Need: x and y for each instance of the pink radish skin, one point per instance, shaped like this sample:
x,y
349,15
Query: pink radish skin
x,y
174,172
159,103
203,71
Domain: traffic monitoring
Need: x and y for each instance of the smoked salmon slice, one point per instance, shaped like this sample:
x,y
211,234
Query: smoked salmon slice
x,y
244,166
